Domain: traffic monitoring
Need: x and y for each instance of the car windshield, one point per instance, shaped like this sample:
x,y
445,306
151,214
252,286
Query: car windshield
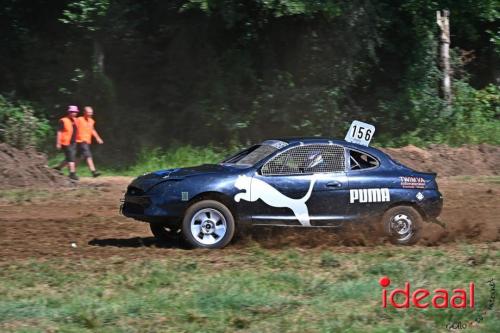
x,y
254,154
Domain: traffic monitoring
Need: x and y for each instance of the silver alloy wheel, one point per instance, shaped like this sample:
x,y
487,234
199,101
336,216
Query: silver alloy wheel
x,y
208,226
402,226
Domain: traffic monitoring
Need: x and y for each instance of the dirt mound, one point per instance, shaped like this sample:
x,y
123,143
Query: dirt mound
x,y
26,168
477,160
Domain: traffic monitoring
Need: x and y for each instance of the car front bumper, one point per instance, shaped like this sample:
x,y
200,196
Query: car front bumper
x,y
152,208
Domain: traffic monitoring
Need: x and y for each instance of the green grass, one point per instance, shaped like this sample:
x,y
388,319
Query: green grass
x,y
251,290
18,196
157,159
26,196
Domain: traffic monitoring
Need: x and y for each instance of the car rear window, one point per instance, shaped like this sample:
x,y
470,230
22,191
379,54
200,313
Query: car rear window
x,y
360,160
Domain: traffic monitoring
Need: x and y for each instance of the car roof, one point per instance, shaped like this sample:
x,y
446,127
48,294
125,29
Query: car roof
x,y
304,139
317,139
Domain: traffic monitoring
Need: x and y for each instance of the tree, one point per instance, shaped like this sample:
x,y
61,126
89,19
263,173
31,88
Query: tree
x,y
90,16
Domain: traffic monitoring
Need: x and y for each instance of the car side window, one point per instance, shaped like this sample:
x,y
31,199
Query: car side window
x,y
315,158
359,160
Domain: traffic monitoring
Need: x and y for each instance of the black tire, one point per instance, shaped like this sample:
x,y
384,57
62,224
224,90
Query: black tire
x,y
214,215
403,225
165,234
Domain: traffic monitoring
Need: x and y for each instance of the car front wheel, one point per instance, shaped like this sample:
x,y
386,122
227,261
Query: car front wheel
x,y
403,225
208,224
165,234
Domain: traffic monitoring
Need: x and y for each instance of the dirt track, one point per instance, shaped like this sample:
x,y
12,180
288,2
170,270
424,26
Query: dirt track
x,y
44,223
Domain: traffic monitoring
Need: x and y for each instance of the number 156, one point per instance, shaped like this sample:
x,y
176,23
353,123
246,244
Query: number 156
x,y
361,132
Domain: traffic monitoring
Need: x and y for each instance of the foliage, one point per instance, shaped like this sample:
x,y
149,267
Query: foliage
x,y
476,117
214,72
19,127
85,14
237,10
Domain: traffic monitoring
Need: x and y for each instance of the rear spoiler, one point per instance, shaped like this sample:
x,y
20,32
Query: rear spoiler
x,y
423,173
434,174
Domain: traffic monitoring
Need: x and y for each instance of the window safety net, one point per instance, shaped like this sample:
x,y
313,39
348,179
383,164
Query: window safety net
x,y
316,158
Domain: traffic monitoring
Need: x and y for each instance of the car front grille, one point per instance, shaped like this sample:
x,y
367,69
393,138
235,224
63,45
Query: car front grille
x,y
132,208
135,202
134,191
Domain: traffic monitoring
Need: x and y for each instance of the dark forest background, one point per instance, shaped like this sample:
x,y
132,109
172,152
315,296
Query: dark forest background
x,y
227,72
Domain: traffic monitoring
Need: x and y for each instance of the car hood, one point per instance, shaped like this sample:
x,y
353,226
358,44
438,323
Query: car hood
x,y
145,182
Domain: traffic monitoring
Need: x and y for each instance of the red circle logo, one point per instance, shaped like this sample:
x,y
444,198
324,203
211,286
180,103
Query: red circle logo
x,y
384,281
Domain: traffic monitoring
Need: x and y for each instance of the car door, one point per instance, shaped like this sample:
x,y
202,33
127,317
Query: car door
x,y
304,186
369,194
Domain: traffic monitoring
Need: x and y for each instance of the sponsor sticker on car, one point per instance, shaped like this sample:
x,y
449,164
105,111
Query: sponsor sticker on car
x,y
368,195
412,182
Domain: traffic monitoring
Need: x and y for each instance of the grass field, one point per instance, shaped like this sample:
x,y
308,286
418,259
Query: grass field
x,y
254,290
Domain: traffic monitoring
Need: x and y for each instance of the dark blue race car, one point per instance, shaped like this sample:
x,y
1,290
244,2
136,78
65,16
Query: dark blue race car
x,y
299,182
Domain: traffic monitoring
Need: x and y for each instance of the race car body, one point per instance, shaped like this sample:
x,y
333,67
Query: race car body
x,y
298,182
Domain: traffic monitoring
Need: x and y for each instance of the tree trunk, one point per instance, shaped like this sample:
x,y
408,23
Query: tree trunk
x,y
98,66
444,25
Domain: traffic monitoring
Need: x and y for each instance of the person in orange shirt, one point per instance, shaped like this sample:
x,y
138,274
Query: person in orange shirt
x,y
86,131
66,140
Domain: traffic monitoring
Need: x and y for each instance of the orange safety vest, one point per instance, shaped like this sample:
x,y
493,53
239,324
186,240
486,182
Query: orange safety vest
x,y
85,128
66,131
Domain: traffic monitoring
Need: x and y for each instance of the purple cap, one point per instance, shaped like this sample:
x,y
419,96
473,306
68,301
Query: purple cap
x,y
73,108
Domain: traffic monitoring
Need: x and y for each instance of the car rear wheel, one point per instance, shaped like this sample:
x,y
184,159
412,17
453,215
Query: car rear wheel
x,y
208,224
403,225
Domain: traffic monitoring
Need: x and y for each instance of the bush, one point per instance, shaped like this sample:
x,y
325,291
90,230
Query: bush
x,y
19,127
476,116
473,118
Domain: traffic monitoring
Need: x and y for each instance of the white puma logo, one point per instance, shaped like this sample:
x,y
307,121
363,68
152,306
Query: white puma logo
x,y
257,189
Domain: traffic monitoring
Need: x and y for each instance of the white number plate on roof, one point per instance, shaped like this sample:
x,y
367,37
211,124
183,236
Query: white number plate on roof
x,y
360,133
